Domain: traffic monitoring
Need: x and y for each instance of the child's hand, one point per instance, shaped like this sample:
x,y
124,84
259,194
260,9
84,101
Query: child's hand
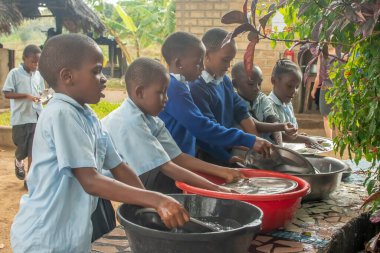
x,y
290,129
225,189
232,175
33,98
236,159
172,213
262,147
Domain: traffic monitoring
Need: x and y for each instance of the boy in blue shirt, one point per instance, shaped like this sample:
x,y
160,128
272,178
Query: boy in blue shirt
x,y
259,105
184,53
69,151
143,141
23,86
214,95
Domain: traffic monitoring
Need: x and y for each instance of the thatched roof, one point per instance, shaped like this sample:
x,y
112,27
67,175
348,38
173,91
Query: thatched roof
x,y
75,14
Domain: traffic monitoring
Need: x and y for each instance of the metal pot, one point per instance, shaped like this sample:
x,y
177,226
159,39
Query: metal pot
x,y
327,180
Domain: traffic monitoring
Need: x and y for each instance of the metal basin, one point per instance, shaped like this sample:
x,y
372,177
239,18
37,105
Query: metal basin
x,y
237,239
327,180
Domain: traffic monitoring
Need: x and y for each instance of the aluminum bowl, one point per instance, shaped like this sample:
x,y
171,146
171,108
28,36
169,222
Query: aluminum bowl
x,y
329,178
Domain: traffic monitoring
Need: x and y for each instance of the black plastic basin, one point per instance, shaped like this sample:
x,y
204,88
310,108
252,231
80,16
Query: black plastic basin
x,y
237,240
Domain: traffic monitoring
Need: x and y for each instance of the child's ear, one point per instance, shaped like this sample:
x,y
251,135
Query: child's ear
x,y
66,76
139,90
272,80
178,63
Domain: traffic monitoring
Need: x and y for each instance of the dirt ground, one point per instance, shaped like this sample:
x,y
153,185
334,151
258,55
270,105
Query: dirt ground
x,y
11,190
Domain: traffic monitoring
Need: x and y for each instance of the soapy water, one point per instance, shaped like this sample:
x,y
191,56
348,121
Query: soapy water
x,y
217,223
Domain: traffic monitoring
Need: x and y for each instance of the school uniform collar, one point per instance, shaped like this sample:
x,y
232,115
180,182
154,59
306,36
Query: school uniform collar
x,y
179,78
63,97
276,100
208,78
22,69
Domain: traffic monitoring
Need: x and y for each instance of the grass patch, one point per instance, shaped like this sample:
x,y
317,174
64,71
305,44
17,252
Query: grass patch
x,y
5,118
102,109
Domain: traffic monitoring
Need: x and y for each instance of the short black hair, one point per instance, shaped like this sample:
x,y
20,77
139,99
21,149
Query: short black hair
x,y
213,39
177,44
64,51
143,71
30,50
239,69
286,66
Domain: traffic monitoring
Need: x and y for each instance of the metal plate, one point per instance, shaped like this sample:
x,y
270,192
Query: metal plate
x,y
263,185
301,148
281,159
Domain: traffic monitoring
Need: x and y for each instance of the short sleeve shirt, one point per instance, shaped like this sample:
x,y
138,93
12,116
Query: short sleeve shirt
x,y
283,111
56,214
142,140
19,81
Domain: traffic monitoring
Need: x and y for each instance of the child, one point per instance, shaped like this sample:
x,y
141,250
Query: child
x,y
23,86
286,77
143,141
259,105
213,92
70,149
184,54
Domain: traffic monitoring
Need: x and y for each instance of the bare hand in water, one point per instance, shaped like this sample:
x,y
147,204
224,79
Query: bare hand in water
x,y
225,189
262,147
172,213
232,175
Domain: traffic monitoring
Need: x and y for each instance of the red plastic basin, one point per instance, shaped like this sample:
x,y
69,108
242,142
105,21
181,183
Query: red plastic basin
x,y
277,208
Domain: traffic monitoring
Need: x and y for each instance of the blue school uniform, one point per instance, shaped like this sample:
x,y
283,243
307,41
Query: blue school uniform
x,y
142,140
56,214
24,111
218,101
186,122
284,112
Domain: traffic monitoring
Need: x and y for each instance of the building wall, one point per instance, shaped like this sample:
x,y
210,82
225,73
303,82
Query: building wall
x,y
197,16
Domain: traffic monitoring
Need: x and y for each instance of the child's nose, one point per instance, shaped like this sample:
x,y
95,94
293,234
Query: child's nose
x,y
103,78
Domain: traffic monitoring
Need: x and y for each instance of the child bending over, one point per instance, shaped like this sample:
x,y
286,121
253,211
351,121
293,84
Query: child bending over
x,y
69,151
184,53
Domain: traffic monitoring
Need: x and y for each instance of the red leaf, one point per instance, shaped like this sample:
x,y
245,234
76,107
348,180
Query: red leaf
x,y
246,27
253,36
354,15
375,217
317,30
245,10
264,20
303,8
249,56
233,17
335,24
371,198
253,11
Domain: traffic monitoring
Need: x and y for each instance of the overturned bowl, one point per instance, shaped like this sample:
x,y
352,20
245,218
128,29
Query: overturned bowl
x,y
246,219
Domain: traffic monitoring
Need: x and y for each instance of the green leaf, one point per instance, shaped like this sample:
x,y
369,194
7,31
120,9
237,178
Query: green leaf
x,y
127,20
273,43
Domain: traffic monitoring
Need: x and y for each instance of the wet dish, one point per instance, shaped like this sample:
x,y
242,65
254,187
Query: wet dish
x,y
326,145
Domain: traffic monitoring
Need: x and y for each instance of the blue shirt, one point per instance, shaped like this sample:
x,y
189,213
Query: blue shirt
x,y
56,214
218,101
284,112
186,122
141,140
24,111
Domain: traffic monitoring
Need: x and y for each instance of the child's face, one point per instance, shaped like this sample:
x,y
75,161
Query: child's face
x,y
31,62
285,86
88,81
249,88
153,98
218,62
191,64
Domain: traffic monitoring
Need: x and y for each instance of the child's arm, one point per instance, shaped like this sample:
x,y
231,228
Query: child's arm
x,y
179,173
15,95
171,212
126,175
315,84
197,165
248,125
